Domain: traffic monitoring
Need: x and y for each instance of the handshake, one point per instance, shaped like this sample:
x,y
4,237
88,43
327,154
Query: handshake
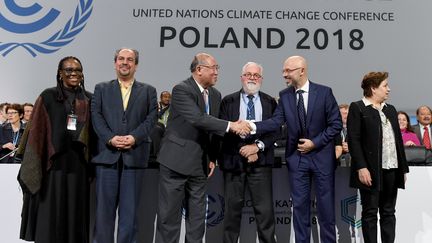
x,y
241,128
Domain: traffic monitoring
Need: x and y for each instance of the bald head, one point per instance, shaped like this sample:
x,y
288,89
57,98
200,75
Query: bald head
x,y
295,71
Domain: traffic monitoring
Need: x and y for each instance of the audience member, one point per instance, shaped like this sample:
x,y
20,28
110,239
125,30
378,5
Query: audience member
x,y
158,130
423,128
248,162
3,115
408,135
28,108
123,113
345,158
11,133
163,107
378,164
55,151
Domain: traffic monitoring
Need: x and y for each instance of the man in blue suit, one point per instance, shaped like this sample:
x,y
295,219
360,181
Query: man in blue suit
x,y
123,113
313,121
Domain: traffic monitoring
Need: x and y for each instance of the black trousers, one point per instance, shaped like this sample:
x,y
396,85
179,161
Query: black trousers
x,y
259,182
384,202
177,190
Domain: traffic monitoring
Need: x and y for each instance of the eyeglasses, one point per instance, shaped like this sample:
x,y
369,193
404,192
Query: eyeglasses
x,y
12,112
250,75
69,71
214,67
287,70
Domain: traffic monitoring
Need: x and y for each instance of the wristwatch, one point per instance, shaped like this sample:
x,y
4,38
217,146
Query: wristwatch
x,y
260,145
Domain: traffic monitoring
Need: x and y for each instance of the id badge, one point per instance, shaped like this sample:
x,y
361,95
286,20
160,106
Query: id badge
x,y
71,122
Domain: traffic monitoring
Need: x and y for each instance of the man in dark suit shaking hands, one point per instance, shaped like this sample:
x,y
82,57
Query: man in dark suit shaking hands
x,y
123,113
313,121
187,149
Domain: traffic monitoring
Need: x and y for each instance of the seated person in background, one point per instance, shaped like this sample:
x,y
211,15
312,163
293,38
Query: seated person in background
x,y
163,107
3,116
408,135
345,158
338,147
11,132
158,130
28,109
423,129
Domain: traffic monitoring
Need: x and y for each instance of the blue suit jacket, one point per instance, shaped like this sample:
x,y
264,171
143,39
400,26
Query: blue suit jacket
x,y
323,124
109,119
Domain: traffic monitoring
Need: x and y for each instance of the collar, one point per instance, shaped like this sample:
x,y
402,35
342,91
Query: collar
x,y
121,84
367,103
305,87
199,86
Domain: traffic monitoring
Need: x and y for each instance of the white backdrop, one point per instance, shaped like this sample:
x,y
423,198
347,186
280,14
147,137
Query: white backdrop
x,y
413,209
339,51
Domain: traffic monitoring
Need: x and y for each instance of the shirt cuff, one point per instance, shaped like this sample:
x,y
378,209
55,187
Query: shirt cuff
x,y
253,126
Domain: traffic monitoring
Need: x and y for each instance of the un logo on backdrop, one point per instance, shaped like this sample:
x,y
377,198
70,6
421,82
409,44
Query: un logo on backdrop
x,y
31,20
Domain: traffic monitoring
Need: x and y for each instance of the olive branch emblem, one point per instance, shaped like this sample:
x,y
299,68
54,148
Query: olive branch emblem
x,y
61,38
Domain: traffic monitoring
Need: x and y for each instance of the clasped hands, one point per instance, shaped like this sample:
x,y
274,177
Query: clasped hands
x,y
241,128
122,142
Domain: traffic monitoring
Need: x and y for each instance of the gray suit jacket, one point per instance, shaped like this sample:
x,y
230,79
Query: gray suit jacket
x,y
417,131
109,119
188,144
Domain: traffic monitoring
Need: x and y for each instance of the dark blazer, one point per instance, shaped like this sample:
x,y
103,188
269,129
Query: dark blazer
x,y
187,145
323,124
365,143
418,131
6,136
109,119
229,157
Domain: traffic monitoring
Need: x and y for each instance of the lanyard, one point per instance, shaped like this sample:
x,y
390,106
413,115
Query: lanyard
x,y
15,137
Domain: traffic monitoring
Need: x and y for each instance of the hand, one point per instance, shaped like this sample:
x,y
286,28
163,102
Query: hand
x,y
116,142
410,143
129,141
241,128
365,177
212,166
9,146
345,147
122,142
305,145
252,158
248,150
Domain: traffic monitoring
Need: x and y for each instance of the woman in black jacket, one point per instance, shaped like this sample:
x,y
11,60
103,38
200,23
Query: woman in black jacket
x,y
378,165
11,132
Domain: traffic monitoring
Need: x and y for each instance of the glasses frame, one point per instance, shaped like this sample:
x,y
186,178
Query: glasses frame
x,y
214,67
69,71
287,70
254,75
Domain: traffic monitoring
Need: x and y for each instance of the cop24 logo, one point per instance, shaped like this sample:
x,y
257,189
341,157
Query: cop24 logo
x,y
61,37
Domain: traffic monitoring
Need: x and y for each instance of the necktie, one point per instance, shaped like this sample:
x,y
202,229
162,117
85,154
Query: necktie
x,y
344,134
301,112
250,108
426,138
206,101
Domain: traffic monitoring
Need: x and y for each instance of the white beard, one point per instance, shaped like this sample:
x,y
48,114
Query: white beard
x,y
251,88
